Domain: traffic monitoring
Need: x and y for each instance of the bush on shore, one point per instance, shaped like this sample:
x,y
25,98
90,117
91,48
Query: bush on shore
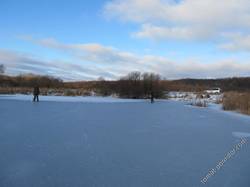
x,y
237,101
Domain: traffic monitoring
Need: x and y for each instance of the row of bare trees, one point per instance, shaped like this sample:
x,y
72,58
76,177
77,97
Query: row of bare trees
x,y
134,85
29,81
240,84
137,85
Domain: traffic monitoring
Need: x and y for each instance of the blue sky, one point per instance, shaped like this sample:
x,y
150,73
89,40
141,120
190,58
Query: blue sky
x,y
77,39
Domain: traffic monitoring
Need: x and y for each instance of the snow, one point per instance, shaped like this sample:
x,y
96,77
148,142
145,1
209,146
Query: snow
x,y
88,141
192,97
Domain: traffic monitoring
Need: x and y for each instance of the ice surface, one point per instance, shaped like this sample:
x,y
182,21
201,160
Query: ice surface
x,y
88,99
241,134
116,144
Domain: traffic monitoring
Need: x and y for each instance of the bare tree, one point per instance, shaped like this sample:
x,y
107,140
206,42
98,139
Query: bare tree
x,y
130,85
2,69
137,85
152,86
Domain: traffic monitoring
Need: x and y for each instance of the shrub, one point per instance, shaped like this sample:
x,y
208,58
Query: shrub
x,y
237,101
199,103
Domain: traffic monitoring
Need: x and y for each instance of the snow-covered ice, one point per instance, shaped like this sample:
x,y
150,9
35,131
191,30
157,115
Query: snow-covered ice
x,y
241,134
88,99
78,143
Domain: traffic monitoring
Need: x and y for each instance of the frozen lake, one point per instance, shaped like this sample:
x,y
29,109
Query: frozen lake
x,y
119,143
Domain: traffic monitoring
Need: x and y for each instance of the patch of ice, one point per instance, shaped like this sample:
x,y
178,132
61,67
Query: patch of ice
x,y
241,134
87,99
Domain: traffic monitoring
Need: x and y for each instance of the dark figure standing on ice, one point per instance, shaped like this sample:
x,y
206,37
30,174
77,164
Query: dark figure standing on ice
x,y
36,93
152,97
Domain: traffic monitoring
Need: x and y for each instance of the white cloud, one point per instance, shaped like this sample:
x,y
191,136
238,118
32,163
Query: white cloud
x,y
94,60
92,52
178,33
236,42
183,19
19,63
218,69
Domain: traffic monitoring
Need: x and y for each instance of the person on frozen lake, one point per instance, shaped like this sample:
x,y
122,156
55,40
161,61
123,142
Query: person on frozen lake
x,y
36,93
152,97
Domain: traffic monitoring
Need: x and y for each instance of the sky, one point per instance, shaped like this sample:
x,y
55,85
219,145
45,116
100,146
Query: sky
x,y
85,40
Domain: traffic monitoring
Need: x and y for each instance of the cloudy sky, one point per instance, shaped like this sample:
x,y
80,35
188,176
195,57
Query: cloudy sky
x,y
87,39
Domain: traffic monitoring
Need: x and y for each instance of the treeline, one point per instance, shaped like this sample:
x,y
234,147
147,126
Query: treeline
x,y
226,84
133,85
30,80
